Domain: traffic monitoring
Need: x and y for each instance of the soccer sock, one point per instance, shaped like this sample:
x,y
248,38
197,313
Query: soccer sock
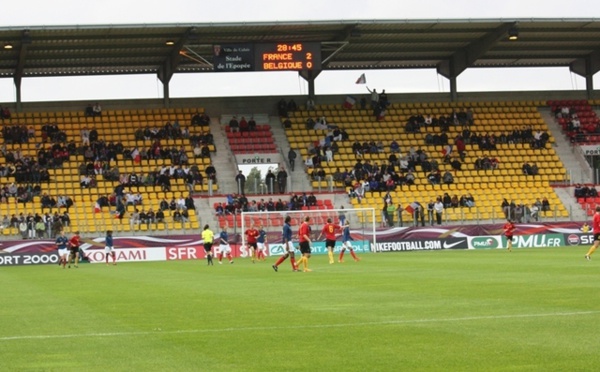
x,y
342,253
592,249
220,257
293,261
114,257
353,254
229,257
330,254
209,257
281,259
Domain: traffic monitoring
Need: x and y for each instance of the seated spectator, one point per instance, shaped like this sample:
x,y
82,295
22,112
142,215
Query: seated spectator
x,y
97,110
527,169
243,125
434,177
234,125
448,178
160,216
545,204
394,147
252,124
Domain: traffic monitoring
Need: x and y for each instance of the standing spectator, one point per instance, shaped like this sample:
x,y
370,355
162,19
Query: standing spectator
x,y
282,180
240,180
292,158
438,207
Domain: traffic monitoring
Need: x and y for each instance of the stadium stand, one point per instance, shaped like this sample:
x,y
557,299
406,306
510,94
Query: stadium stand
x,y
488,187
112,126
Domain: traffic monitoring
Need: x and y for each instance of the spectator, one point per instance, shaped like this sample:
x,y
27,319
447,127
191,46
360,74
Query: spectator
x,y
438,207
234,125
448,178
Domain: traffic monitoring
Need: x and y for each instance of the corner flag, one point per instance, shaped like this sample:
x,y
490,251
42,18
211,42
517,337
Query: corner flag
x,y
362,79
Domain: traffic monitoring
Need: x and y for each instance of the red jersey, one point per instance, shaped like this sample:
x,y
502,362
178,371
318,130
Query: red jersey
x,y
252,234
596,223
329,230
304,232
75,241
509,229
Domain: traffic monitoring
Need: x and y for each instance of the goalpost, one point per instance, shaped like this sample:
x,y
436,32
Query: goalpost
x,y
362,224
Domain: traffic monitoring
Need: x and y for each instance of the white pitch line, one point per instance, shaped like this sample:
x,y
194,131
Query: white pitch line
x,y
291,327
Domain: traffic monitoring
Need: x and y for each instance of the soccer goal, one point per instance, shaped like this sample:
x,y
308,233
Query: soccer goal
x,y
362,226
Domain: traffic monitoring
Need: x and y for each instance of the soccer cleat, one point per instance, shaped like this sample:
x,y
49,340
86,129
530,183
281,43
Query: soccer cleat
x,y
69,266
275,268
341,261
587,257
230,262
357,259
77,267
295,270
307,270
220,263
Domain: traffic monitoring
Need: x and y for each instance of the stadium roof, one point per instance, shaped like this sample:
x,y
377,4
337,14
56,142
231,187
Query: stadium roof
x,y
450,46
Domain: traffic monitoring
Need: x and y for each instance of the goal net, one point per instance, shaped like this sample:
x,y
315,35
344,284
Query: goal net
x,y
362,227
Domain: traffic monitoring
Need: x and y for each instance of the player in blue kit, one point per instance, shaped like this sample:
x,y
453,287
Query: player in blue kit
x,y
346,238
109,248
288,246
224,247
261,245
63,251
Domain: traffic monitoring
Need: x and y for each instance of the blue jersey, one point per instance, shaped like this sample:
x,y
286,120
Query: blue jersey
x,y
262,236
346,234
287,233
61,242
108,241
224,236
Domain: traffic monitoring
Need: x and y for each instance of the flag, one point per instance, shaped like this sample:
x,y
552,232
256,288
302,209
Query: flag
x,y
411,207
362,79
97,208
349,102
447,150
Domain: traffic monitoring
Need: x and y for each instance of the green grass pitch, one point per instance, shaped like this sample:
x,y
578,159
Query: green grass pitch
x,y
484,310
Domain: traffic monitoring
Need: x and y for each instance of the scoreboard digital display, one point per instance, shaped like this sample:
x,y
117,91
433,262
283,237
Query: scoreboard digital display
x,y
292,56
288,56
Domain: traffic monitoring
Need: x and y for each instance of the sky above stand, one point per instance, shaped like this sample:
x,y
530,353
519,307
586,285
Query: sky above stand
x,y
70,13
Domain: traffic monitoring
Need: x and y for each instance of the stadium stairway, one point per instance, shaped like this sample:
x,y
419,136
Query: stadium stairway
x,y
298,178
223,160
564,151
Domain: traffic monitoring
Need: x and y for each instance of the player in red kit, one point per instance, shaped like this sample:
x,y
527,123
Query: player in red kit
x,y
596,231
74,244
509,230
329,230
305,242
252,235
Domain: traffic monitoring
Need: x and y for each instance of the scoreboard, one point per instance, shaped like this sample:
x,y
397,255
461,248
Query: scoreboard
x,y
292,56
288,56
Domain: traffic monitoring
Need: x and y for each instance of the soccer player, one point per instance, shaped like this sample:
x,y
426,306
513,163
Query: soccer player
x,y
63,252
74,244
224,247
509,229
596,231
261,243
346,238
251,236
288,246
109,248
207,237
329,231
305,242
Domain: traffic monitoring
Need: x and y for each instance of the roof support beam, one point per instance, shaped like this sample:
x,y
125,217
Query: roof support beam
x,y
587,67
169,65
464,58
18,76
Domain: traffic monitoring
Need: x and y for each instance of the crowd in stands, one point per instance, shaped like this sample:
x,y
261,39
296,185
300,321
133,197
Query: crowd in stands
x,y
583,191
237,203
578,121
519,212
38,225
242,125
93,110
201,120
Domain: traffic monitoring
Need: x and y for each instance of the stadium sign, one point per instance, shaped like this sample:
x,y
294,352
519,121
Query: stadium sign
x,y
579,239
359,246
537,241
590,150
15,259
484,242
